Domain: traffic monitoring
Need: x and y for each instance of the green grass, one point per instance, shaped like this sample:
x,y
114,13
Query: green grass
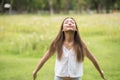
x,y
18,68
25,38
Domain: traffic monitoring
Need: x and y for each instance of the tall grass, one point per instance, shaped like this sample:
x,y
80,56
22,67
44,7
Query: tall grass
x,y
25,38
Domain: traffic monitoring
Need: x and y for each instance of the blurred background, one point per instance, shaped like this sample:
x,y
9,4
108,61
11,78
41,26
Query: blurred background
x,y
59,6
27,28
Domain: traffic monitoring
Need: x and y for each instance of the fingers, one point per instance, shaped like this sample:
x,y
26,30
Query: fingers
x,y
34,75
103,77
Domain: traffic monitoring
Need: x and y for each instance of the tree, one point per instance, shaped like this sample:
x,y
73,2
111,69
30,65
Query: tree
x,y
98,5
11,4
51,6
64,6
109,4
1,5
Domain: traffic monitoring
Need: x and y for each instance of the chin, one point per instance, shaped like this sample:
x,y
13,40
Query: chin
x,y
71,30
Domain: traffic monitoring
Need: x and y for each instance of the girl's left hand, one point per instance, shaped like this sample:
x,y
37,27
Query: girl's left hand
x,y
34,75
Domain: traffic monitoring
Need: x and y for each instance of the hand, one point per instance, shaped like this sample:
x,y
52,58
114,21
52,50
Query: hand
x,y
34,75
102,75
104,79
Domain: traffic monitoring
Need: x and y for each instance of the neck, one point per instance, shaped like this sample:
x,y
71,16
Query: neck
x,y
69,36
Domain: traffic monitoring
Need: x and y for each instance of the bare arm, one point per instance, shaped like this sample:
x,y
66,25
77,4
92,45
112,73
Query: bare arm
x,y
94,61
47,55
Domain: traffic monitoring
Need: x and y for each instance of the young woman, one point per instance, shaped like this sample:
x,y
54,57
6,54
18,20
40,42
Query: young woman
x,y
71,51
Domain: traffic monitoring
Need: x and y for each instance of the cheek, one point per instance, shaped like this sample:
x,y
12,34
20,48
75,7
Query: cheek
x,y
65,25
74,25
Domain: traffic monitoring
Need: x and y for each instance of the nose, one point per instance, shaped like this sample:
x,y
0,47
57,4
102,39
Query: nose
x,y
69,23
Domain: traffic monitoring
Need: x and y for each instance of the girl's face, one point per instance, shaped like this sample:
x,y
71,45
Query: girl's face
x,y
69,25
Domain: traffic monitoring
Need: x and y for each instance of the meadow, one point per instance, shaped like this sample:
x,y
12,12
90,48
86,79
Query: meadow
x,y
25,38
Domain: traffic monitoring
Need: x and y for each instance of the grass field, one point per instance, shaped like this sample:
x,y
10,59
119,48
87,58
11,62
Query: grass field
x,y
25,38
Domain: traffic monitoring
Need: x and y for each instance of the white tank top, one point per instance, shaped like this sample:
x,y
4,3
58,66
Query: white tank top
x,y
68,65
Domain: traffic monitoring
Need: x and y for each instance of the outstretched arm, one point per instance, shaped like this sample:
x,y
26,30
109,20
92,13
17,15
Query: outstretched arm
x,y
94,61
47,55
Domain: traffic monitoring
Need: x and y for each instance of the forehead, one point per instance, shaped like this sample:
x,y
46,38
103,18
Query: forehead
x,y
68,19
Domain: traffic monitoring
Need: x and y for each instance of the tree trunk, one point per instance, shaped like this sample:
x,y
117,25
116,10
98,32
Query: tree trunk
x,y
78,9
107,9
51,7
98,5
67,6
58,10
2,6
108,3
11,3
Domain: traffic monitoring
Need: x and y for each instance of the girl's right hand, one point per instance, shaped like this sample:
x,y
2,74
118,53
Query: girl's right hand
x,y
102,75
34,75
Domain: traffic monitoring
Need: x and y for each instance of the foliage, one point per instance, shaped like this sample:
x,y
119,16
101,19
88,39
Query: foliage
x,y
63,6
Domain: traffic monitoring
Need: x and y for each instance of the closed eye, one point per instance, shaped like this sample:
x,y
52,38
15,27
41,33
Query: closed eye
x,y
72,22
66,22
